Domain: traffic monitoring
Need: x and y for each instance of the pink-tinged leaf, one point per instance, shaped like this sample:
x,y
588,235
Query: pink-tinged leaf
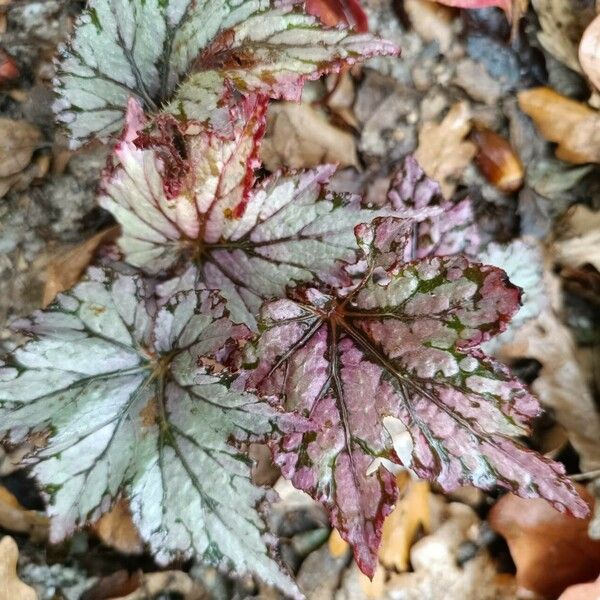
x,y
402,345
272,52
185,195
339,12
183,55
452,230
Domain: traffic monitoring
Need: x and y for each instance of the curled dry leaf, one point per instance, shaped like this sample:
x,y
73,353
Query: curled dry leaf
x,y
14,517
117,530
562,25
299,136
437,574
9,70
443,151
589,48
11,587
589,52
411,514
431,21
579,243
561,383
18,141
63,271
497,160
168,582
574,126
551,550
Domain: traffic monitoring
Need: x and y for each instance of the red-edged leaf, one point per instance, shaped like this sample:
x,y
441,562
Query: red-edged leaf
x,y
400,354
185,196
182,55
339,12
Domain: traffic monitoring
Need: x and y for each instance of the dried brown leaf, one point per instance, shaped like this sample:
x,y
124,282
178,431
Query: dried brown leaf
x,y
551,550
167,582
497,160
11,587
574,126
402,525
562,24
443,151
432,21
561,384
18,141
579,242
13,517
589,52
299,136
117,530
64,270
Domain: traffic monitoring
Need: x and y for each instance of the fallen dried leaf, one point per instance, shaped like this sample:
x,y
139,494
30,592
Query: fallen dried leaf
x,y
298,136
551,550
18,141
64,270
574,126
561,384
117,530
442,151
589,57
13,517
402,525
114,585
437,574
497,160
431,21
341,96
562,24
9,71
579,241
11,587
167,582
338,546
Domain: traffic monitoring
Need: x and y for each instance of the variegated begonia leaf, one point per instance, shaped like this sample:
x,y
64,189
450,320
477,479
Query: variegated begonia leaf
x,y
452,231
523,262
144,48
131,405
201,207
400,354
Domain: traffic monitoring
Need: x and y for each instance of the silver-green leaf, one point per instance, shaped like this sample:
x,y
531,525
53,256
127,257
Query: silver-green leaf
x,y
132,404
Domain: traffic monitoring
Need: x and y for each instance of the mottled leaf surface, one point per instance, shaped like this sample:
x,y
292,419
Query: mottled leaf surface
x,y
131,405
523,262
401,347
452,230
144,48
248,241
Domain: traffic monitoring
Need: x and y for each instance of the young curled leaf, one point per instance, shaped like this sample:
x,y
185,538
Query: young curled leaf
x,y
144,48
132,404
200,206
399,354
